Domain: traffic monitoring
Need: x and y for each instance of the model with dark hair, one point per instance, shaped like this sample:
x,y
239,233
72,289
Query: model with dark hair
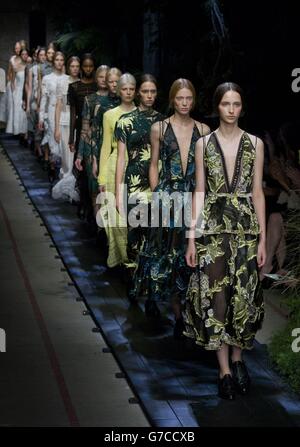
x,y
133,136
162,265
224,305
76,94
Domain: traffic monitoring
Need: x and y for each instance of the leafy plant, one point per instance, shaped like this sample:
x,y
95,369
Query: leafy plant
x,y
287,361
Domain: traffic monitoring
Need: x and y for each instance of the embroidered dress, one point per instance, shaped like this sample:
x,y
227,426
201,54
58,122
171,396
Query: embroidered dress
x,y
65,187
162,270
224,302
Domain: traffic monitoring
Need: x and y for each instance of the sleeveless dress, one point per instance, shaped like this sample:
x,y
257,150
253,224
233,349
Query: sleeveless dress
x,y
224,302
162,271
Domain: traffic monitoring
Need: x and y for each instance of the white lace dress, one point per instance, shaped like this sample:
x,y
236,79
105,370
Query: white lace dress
x,y
2,96
65,187
47,111
16,115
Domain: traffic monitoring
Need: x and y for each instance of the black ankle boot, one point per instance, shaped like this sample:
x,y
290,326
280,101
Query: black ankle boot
x,y
151,309
226,387
178,329
240,377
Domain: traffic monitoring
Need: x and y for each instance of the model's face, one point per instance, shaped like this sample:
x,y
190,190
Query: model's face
x,y
127,93
17,48
147,94
50,54
88,68
112,83
42,56
184,101
74,68
230,107
101,80
59,62
24,56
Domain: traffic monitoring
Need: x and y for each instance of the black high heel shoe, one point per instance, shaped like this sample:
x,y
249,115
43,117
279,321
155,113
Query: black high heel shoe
x,y
226,387
241,377
151,309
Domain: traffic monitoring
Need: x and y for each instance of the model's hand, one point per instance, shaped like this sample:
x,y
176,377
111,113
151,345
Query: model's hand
x,y
190,255
261,254
78,165
95,169
119,205
41,125
72,147
57,136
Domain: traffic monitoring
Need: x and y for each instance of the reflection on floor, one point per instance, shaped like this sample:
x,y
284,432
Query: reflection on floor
x,y
175,382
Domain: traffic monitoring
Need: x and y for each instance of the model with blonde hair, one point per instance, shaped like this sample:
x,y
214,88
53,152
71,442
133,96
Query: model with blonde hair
x,y
17,119
65,187
91,133
162,267
133,136
116,232
47,110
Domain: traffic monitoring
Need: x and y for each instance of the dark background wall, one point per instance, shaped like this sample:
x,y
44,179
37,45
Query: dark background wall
x,y
251,42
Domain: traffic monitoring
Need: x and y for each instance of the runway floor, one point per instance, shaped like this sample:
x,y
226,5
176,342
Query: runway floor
x,y
174,382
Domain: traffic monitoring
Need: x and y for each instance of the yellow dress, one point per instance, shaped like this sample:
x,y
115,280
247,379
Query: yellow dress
x,y
115,226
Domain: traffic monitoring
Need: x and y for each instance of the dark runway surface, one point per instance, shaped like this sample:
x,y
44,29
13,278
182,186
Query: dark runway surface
x,y
175,381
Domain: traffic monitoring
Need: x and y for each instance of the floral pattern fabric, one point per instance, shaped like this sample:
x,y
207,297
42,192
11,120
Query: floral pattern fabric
x,y
133,129
162,270
224,302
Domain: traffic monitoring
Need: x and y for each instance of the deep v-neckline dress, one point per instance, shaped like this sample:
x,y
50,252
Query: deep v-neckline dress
x,y
224,302
162,272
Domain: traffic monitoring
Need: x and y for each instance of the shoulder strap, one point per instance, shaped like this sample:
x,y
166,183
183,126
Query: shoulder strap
x,y
161,129
255,142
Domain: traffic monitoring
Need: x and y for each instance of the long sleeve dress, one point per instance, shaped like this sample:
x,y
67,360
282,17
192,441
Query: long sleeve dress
x,y
76,95
133,129
224,302
65,187
17,118
115,227
95,105
47,110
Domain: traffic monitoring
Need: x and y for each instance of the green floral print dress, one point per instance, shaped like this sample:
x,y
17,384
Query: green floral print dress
x,y
224,302
133,129
162,271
